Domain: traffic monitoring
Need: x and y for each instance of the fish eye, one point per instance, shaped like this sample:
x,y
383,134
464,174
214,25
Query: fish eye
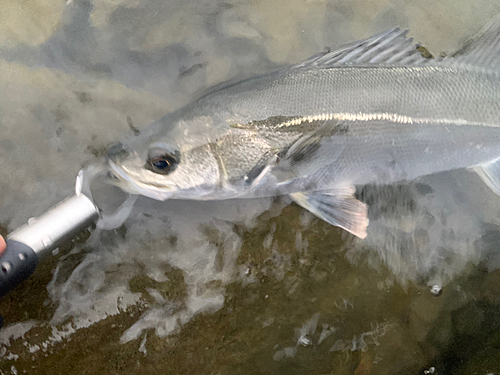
x,y
162,162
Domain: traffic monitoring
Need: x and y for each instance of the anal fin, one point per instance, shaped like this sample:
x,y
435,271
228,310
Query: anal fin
x,y
337,207
490,174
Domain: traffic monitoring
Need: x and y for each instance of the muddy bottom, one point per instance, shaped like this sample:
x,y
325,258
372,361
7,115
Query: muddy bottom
x,y
300,306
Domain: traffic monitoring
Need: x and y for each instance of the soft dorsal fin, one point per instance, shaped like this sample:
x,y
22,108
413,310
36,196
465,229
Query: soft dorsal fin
x,y
482,50
391,47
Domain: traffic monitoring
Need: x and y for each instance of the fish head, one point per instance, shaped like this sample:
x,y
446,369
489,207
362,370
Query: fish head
x,y
165,171
167,160
194,157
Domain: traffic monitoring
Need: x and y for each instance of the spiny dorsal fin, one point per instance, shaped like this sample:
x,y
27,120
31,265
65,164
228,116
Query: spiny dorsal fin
x,y
483,50
391,47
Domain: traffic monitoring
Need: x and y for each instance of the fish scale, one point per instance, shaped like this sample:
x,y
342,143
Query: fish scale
x,y
434,93
371,112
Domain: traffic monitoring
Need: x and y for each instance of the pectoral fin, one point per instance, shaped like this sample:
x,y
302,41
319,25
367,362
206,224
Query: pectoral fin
x,y
314,151
337,207
490,174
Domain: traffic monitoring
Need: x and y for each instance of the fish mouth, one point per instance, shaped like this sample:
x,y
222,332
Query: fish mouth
x,y
117,152
124,179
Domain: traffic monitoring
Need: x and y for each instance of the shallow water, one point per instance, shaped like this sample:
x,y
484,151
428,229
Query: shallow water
x,y
256,286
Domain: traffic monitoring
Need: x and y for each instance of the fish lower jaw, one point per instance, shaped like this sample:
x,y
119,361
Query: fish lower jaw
x,y
130,185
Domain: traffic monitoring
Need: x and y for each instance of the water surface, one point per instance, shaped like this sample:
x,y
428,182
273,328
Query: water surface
x,y
257,286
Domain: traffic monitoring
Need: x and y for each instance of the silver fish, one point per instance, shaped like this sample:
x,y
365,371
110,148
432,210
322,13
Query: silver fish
x,y
371,112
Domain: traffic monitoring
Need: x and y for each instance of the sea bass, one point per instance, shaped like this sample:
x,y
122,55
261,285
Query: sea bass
x,y
371,112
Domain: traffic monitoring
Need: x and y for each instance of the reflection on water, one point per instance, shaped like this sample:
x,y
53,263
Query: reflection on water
x,y
256,286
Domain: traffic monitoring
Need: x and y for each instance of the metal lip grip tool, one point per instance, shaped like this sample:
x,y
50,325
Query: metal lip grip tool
x,y
36,239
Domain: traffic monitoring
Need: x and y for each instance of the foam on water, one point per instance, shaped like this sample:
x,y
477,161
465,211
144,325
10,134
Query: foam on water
x,y
430,229
160,237
419,230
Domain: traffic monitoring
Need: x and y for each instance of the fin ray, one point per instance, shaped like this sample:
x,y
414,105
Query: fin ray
x,y
390,47
490,174
482,50
311,152
337,207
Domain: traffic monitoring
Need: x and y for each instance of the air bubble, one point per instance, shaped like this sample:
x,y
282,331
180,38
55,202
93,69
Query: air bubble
x,y
436,290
